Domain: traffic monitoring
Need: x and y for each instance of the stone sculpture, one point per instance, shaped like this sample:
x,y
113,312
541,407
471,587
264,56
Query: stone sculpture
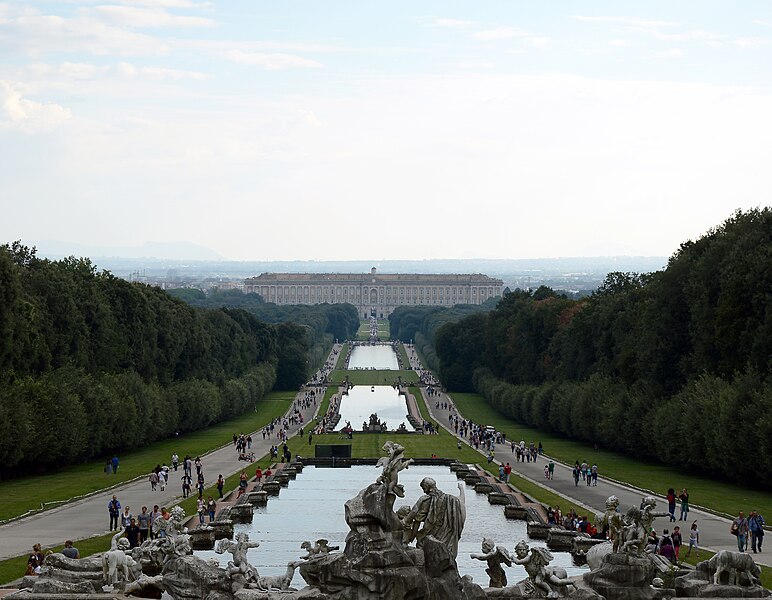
x,y
438,515
239,570
278,582
550,582
118,567
320,547
726,574
392,465
612,520
734,564
494,556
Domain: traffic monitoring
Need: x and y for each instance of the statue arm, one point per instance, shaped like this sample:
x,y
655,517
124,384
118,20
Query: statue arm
x,y
462,501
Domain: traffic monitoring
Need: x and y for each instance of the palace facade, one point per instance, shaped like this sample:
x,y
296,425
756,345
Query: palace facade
x,y
373,293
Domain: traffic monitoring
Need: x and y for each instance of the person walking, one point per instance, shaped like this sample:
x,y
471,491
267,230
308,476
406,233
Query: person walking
x,y
576,475
220,485
126,516
143,522
756,526
739,528
211,507
175,461
677,541
671,498
684,498
201,509
153,478
551,469
694,540
114,509
114,462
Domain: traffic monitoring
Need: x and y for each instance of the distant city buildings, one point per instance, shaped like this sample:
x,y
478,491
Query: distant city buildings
x,y
373,293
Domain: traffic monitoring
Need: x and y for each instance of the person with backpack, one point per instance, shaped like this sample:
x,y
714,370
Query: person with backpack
x,y
114,509
739,528
756,527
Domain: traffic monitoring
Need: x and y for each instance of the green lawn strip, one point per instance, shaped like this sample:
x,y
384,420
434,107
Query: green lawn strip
x,y
384,329
331,391
363,334
28,493
373,377
341,362
416,391
403,357
707,492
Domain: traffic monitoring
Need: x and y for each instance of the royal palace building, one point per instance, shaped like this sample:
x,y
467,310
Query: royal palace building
x,y
373,293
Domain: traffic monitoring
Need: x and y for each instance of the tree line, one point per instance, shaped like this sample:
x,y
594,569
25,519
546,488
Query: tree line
x,y
91,364
672,365
306,332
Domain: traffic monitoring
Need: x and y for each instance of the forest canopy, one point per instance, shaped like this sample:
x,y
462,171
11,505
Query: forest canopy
x,y
672,365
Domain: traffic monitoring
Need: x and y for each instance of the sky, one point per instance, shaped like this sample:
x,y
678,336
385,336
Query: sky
x,y
334,130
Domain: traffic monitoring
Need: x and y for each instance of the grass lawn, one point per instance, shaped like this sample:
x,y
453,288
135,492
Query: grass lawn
x,y
341,362
28,493
373,377
403,358
710,493
384,332
331,391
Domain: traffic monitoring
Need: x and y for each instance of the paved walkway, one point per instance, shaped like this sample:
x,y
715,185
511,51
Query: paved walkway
x,y
714,530
88,517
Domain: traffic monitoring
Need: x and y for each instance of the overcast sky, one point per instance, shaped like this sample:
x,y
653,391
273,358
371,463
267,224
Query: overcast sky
x,y
400,129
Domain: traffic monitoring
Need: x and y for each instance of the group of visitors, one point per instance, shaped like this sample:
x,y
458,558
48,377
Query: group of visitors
x,y
672,499
523,454
750,528
210,506
112,464
137,528
587,473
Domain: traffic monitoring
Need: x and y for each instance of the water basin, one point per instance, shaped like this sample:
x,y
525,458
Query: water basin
x,y
380,357
312,508
364,400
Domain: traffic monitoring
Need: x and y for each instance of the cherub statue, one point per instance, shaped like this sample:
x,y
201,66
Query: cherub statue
x,y
612,519
633,535
543,577
239,570
494,555
648,514
392,465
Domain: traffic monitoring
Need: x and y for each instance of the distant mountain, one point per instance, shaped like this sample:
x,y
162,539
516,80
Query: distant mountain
x,y
183,251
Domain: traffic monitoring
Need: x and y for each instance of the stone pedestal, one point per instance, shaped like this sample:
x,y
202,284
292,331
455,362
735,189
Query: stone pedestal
x,y
271,488
241,513
623,577
562,539
483,487
512,511
258,498
538,531
202,538
499,498
223,528
472,479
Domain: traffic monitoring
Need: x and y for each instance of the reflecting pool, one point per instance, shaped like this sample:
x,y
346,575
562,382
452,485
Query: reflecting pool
x,y
312,508
364,400
373,357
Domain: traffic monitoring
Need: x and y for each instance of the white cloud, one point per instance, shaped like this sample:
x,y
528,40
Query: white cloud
x,y
17,112
271,61
145,17
499,33
751,42
475,65
624,20
445,22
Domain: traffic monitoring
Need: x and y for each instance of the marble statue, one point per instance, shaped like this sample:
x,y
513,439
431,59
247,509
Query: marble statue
x,y
320,547
546,580
734,564
239,570
118,567
494,556
612,519
392,465
438,515
278,582
633,536
648,514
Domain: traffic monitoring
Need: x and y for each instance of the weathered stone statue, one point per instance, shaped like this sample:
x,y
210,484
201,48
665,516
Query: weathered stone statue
x,y
494,556
392,465
550,582
612,520
438,515
633,535
725,574
118,567
321,547
239,570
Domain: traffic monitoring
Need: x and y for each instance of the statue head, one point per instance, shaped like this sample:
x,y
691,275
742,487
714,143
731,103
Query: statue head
x,y
612,503
428,484
178,514
305,545
521,550
648,502
123,544
487,545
